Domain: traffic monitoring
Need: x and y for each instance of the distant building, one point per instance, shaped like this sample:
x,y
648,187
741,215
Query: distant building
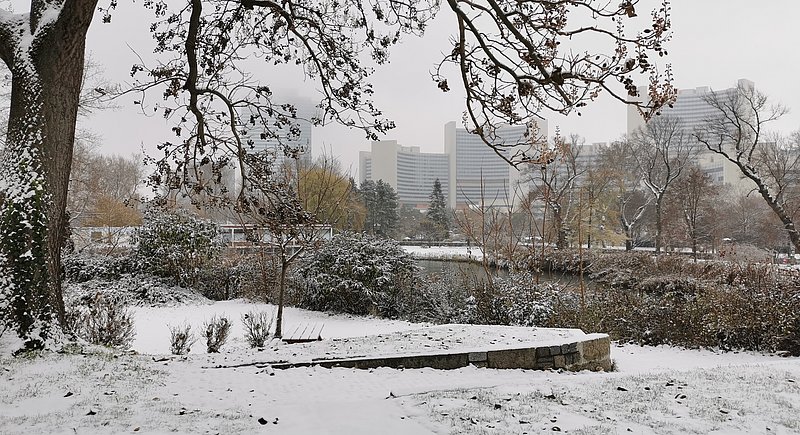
x,y
410,172
478,175
468,169
692,109
296,136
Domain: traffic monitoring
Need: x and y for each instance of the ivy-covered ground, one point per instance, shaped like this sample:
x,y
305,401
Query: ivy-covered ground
x,y
659,390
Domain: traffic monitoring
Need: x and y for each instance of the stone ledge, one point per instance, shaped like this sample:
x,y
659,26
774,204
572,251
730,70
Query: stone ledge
x,y
591,353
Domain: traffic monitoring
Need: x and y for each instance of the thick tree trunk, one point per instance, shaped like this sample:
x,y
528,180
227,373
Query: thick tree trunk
x,y
46,84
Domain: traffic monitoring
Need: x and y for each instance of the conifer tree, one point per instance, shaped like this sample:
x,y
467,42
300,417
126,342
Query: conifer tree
x,y
437,216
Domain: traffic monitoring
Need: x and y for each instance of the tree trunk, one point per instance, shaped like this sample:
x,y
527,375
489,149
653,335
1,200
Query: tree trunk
x,y
658,226
46,84
281,290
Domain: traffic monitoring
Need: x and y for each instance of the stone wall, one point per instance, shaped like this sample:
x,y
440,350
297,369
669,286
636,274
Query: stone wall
x,y
591,353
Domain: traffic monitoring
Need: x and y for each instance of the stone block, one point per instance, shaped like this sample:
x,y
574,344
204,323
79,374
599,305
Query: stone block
x,y
559,361
569,348
597,348
542,351
511,359
475,357
555,350
593,354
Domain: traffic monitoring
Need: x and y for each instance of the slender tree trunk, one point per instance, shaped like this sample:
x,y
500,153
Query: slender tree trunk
x,y
658,226
46,65
281,290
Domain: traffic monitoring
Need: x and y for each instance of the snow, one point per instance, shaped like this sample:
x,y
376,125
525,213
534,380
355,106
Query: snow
x,y
444,252
654,390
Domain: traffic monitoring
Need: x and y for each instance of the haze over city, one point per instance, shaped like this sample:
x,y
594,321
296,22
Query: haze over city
x,y
714,43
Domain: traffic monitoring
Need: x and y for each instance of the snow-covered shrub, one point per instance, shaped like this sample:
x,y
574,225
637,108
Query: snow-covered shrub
x,y
217,331
445,298
141,289
358,274
181,339
105,321
174,243
515,300
80,267
257,325
224,279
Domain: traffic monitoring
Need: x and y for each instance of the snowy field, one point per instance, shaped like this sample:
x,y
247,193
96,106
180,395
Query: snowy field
x,y
654,390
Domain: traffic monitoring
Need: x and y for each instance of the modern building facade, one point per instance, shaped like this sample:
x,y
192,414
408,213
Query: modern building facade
x,y
478,176
410,172
294,137
692,109
470,172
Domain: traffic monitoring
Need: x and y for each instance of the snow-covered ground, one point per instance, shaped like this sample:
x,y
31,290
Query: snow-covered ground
x,y
654,390
445,252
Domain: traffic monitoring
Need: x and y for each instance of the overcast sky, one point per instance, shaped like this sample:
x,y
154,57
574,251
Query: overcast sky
x,y
715,42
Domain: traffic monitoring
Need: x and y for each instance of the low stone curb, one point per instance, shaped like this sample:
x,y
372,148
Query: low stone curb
x,y
591,353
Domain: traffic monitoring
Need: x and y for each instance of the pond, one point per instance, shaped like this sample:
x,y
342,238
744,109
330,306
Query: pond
x,y
438,267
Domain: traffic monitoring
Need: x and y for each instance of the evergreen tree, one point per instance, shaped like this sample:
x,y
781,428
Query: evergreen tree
x,y
438,225
380,200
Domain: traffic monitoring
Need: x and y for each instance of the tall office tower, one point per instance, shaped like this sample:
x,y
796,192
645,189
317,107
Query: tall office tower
x,y
692,109
478,176
410,172
295,136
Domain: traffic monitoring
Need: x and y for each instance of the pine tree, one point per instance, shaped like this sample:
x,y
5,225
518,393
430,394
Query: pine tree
x,y
380,200
437,216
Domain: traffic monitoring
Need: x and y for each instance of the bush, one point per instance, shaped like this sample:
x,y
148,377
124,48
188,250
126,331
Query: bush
x,y
257,325
181,339
358,274
217,331
175,244
80,267
105,321
444,298
672,301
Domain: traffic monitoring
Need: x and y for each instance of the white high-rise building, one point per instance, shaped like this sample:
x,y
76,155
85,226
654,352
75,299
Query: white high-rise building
x,y
477,174
295,136
692,109
410,172
470,172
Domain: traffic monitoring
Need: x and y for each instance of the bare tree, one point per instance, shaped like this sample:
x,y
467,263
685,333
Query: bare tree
x,y
556,184
695,194
661,151
736,131
289,209
631,204
519,58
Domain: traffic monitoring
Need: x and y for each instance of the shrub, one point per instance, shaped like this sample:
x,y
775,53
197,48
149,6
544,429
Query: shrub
x,y
181,339
175,244
80,267
257,325
358,274
106,321
444,298
217,331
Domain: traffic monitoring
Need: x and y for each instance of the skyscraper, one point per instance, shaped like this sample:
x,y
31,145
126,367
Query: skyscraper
x,y
296,136
410,172
470,172
477,174
692,109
